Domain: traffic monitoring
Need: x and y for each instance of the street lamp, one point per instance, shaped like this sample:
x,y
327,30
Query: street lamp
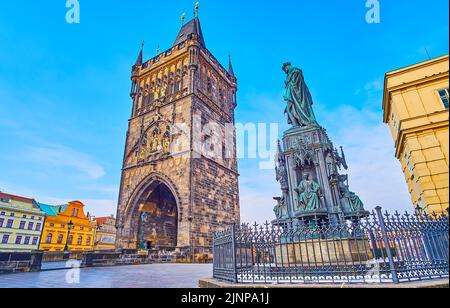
x,y
70,227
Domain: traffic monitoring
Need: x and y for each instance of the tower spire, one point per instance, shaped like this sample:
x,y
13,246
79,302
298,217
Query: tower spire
x,y
188,29
230,66
139,58
279,149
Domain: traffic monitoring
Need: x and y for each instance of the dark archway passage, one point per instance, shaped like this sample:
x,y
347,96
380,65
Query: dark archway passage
x,y
158,219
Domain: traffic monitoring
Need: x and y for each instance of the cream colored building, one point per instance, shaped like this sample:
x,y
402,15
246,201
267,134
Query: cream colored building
x,y
416,107
21,223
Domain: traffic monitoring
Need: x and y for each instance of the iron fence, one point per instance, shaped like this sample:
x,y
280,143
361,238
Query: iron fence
x,y
378,248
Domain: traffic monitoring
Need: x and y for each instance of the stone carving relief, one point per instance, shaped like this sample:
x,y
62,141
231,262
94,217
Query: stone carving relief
x,y
304,152
154,143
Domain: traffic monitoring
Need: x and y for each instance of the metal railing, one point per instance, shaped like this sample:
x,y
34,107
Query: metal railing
x,y
379,248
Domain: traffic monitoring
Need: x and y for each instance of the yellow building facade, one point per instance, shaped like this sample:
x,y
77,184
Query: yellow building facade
x,y
21,223
67,224
416,108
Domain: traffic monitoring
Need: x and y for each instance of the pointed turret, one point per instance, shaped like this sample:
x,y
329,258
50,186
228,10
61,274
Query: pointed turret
x,y
279,149
230,66
191,28
139,58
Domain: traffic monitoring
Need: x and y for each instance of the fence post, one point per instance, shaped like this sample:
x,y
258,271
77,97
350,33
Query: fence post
x,y
386,243
234,253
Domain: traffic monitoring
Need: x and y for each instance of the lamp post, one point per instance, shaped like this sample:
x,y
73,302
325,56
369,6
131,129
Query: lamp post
x,y
70,227
191,252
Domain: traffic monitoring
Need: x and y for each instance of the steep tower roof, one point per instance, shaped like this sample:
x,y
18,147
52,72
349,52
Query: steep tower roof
x,y
192,27
230,66
139,58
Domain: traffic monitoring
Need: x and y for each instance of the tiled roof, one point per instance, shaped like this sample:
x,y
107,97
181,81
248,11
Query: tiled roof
x,y
52,210
17,198
192,27
101,220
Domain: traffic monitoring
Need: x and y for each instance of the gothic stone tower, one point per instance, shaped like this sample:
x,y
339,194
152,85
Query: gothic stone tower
x,y
175,190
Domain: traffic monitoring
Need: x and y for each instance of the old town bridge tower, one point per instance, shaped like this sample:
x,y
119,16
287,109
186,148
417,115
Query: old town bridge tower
x,y
179,178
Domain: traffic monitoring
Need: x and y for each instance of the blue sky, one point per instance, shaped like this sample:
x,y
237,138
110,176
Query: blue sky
x,y
64,89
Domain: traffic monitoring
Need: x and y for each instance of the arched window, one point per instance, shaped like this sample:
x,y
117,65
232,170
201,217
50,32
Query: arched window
x,y
80,240
88,241
60,239
49,238
70,240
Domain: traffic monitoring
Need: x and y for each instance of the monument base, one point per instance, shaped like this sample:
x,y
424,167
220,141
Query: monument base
x,y
323,252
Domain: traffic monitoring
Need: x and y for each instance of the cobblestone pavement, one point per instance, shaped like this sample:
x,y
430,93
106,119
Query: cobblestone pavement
x,y
139,276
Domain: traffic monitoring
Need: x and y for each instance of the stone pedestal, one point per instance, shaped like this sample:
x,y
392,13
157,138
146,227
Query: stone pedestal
x,y
332,252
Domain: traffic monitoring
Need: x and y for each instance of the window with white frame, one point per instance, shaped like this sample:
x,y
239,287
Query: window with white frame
x,y
5,239
443,94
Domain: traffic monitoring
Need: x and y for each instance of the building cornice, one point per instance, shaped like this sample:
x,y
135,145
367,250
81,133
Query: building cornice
x,y
22,210
403,134
389,90
416,66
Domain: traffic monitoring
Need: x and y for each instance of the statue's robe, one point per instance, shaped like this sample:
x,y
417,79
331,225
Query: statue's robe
x,y
309,195
298,97
355,202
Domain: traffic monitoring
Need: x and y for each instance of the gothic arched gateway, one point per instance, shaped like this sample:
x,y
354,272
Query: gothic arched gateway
x,y
158,218
153,215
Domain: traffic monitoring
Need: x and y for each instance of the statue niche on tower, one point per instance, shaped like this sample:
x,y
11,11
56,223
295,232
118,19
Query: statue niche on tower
x,y
308,165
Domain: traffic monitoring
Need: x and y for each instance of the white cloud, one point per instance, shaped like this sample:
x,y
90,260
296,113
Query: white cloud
x,y
100,188
375,174
257,190
100,208
375,85
60,156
